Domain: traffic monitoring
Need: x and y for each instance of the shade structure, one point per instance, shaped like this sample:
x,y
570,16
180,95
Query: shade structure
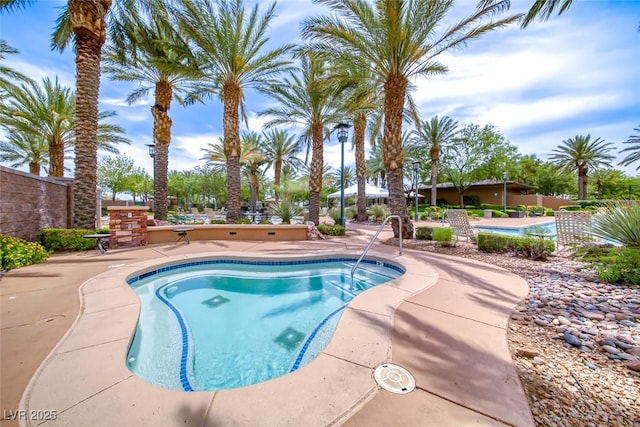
x,y
371,192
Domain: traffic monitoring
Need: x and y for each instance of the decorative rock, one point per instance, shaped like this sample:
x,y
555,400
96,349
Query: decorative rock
x,y
623,345
610,349
528,353
593,315
634,366
538,360
628,323
572,340
626,356
540,322
590,365
564,321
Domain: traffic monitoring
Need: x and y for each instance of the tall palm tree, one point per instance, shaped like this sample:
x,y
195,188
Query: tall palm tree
x,y
581,153
21,149
633,149
231,46
397,41
146,49
362,100
280,150
311,100
435,134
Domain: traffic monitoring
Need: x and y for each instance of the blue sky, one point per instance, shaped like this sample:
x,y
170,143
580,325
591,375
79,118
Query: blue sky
x,y
576,74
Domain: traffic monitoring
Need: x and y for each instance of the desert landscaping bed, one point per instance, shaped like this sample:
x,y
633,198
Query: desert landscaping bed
x,y
575,341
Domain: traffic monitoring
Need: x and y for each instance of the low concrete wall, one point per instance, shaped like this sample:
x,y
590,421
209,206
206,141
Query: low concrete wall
x,y
260,232
29,202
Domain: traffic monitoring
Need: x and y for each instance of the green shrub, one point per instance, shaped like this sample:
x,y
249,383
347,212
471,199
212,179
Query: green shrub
x,y
244,221
619,222
351,212
331,229
549,212
379,212
499,214
443,235
103,230
623,268
334,214
217,221
286,209
64,239
535,210
16,253
424,233
493,242
532,247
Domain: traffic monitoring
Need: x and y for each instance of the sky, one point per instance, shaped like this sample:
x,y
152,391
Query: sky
x,y
575,74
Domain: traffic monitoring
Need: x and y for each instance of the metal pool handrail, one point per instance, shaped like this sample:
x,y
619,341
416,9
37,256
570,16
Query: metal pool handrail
x,y
353,269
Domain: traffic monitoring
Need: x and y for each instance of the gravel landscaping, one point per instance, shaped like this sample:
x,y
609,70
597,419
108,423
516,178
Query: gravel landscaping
x,y
575,341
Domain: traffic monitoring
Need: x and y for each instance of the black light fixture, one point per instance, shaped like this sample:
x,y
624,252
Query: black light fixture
x,y
504,191
152,150
416,169
343,135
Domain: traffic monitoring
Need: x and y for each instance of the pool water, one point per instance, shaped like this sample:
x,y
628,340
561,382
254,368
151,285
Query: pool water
x,y
227,324
545,228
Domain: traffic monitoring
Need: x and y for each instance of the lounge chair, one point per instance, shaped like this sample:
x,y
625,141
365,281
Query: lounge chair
x,y
573,228
459,221
197,215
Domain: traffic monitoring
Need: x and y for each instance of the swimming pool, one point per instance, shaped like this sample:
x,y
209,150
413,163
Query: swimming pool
x,y
219,323
544,228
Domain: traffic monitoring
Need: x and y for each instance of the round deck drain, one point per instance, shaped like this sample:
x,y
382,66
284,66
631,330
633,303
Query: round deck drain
x,y
394,378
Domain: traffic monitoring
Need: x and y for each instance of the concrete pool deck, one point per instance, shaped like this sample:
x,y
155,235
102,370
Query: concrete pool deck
x,y
445,321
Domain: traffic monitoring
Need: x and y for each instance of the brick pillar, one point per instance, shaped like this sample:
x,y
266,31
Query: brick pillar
x,y
128,226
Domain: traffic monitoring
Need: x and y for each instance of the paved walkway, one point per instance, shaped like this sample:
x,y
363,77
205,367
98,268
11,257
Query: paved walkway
x,y
445,321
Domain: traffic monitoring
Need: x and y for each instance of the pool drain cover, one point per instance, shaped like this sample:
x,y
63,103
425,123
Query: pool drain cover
x,y
394,378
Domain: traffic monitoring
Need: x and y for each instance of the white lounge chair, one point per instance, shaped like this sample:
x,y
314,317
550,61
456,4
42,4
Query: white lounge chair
x,y
573,228
459,221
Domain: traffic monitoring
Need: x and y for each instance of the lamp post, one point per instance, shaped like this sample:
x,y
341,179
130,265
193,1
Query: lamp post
x,y
416,168
343,134
504,192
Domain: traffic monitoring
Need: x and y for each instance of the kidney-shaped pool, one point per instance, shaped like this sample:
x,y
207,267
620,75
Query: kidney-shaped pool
x,y
223,323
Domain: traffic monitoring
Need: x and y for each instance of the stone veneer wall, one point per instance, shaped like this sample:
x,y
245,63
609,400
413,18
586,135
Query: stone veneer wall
x,y
29,202
128,226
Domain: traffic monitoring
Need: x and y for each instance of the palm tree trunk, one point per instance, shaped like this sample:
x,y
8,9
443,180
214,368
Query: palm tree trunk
x,y
162,138
34,168
87,20
582,182
276,178
56,157
361,166
231,124
435,157
315,178
395,89
255,184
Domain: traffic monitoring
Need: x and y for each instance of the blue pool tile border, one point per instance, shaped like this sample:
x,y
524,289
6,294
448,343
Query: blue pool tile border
x,y
312,335
184,356
187,264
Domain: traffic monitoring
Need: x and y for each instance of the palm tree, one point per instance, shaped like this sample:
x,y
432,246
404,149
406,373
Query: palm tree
x,y
581,153
375,165
396,41
311,100
34,114
21,149
435,134
230,45
33,110
152,54
362,101
280,150
633,149
252,158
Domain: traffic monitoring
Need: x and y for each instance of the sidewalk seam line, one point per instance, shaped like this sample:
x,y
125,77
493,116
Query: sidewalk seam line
x,y
456,315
